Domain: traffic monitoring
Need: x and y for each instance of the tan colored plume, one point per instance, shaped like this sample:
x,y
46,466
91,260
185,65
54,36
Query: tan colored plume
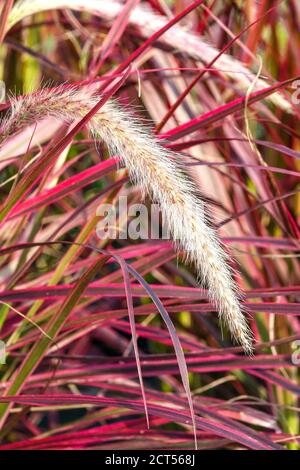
x,y
159,173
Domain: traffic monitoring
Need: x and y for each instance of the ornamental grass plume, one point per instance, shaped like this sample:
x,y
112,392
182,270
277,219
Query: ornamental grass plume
x,y
159,174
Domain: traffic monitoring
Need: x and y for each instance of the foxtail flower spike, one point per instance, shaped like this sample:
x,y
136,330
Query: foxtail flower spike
x,y
159,174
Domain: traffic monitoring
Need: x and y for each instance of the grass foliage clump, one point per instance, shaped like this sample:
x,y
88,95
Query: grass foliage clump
x,y
194,110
